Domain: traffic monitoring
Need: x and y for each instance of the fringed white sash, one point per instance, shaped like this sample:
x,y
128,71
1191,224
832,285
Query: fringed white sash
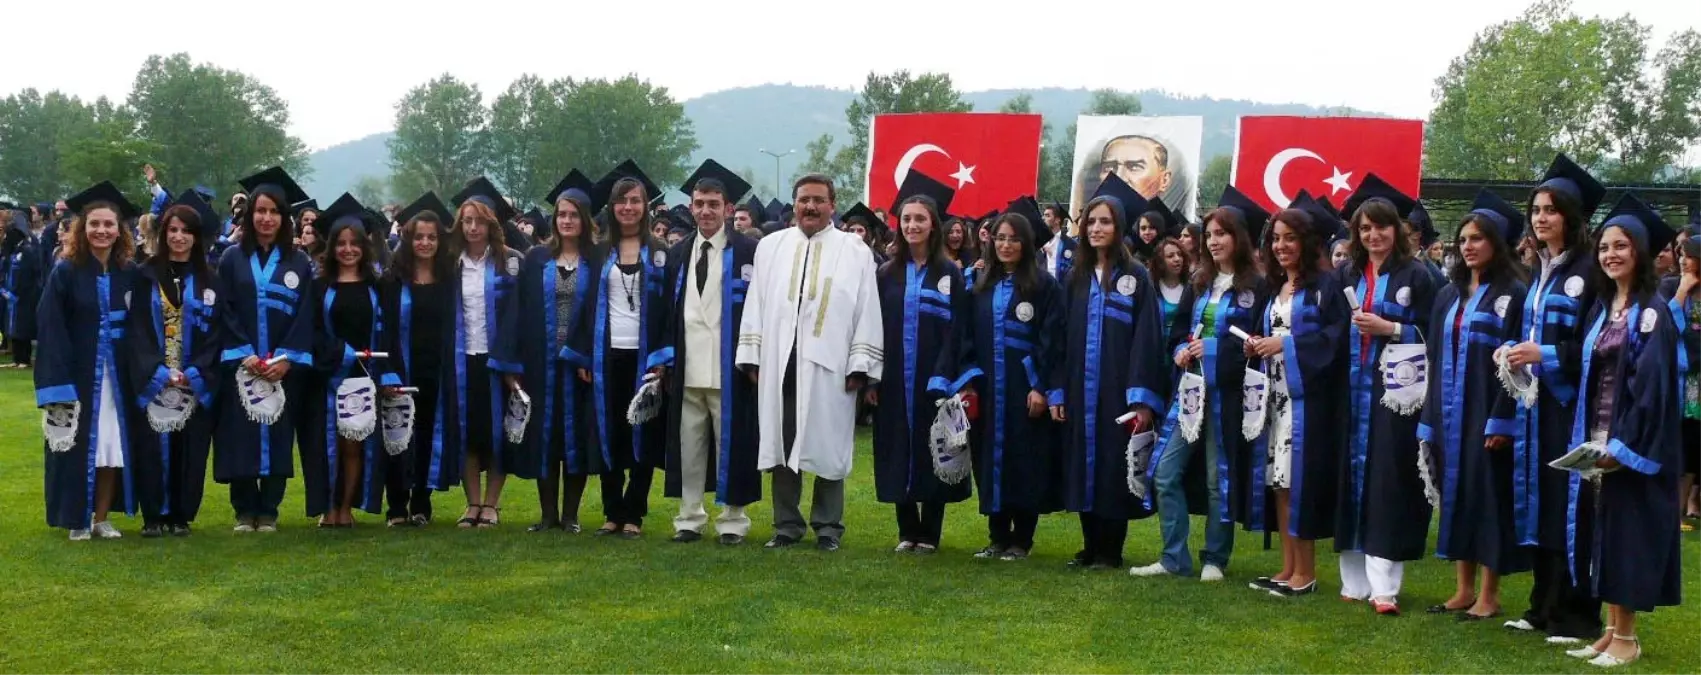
x,y
59,422
171,409
398,414
1429,469
519,413
1140,448
1519,381
647,403
952,461
1405,377
1191,394
357,408
262,399
1255,403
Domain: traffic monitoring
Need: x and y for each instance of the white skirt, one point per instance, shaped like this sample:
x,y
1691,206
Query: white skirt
x,y
109,452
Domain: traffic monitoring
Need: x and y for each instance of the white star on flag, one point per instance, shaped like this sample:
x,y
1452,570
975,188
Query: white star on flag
x,y
965,174
1338,182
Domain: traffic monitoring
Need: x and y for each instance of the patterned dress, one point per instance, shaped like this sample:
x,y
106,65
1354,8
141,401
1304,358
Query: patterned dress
x,y
1279,461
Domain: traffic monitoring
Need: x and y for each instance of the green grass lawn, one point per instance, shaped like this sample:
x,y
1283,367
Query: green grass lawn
x,y
445,600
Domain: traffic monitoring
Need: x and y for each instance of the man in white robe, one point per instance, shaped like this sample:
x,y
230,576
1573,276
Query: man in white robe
x,y
811,337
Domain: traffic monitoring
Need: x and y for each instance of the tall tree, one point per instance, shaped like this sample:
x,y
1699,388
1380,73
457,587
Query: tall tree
x,y
1060,161
605,122
111,148
36,131
1050,184
374,192
899,92
1550,81
438,143
1212,180
210,125
525,123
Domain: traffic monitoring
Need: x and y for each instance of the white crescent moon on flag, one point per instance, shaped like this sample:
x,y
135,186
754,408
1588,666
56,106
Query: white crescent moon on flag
x,y
1273,174
910,157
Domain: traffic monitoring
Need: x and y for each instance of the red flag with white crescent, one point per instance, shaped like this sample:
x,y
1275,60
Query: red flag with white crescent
x,y
1277,156
990,159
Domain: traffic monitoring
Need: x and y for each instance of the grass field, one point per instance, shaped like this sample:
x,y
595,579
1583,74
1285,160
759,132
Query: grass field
x,y
446,600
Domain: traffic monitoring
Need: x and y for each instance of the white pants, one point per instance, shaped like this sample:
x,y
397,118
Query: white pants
x,y
699,435
1366,576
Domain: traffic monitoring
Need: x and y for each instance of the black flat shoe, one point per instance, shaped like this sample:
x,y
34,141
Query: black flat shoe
x,y
153,531
827,544
1444,609
731,539
1292,592
1467,616
605,531
1080,560
780,541
178,530
542,527
686,537
1266,584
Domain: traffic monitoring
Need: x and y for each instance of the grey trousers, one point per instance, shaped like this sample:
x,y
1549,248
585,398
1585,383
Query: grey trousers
x,y
825,511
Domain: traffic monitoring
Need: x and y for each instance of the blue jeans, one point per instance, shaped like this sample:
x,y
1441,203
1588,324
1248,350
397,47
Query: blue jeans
x,y
1172,504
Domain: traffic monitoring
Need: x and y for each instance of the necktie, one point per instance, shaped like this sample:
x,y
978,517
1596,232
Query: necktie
x,y
703,267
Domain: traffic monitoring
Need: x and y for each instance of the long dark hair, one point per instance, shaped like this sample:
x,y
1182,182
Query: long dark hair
x,y
1088,263
967,250
1381,213
1313,251
935,238
404,263
1026,272
1160,267
1502,267
645,221
1645,281
1245,266
160,261
1570,208
284,241
330,267
587,227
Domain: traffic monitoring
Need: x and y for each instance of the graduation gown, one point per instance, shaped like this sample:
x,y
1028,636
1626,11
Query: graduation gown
x,y
644,448
1382,509
437,442
928,311
560,421
265,314
501,316
199,328
1689,336
1475,483
1552,318
1223,365
1015,351
82,333
335,360
23,285
1637,561
1115,360
1313,356
1066,252
813,299
732,473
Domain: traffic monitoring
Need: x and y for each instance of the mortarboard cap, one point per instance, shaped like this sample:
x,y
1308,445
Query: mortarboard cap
x,y
309,205
534,216
1168,222
754,206
1127,199
207,193
1566,176
1029,208
1329,206
1425,225
105,191
427,203
735,185
1503,214
345,212
626,169
276,182
1643,224
1328,226
1254,215
211,225
773,210
1373,187
918,183
862,214
485,192
577,187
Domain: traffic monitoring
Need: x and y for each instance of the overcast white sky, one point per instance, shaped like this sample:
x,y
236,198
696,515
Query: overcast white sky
x,y
342,64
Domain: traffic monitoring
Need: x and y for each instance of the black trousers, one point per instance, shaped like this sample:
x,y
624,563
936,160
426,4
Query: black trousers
x,y
1102,540
407,493
398,484
21,351
181,499
257,497
921,522
626,495
1012,529
480,424
1557,606
560,506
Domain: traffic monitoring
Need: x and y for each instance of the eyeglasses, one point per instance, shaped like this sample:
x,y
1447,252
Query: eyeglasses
x,y
1001,239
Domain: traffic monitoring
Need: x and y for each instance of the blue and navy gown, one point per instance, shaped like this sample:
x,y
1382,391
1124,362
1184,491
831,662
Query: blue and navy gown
x,y
423,344
642,448
1382,510
732,473
557,437
351,320
1476,518
926,312
1223,365
1017,351
83,317
501,315
1633,558
1552,318
1114,361
23,285
1066,252
1313,358
182,310
266,314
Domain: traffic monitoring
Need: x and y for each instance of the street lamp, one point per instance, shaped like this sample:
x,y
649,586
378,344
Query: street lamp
x,y
777,157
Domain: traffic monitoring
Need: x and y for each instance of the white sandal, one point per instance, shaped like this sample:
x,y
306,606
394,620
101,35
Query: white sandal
x,y
1606,660
1586,651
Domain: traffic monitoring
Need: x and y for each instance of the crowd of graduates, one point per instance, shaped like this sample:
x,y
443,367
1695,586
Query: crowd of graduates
x,y
1319,374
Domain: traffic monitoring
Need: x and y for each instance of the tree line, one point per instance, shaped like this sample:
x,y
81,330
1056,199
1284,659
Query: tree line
x,y
1546,81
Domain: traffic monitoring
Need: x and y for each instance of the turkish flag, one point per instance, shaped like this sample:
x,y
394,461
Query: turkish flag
x,y
1276,157
990,159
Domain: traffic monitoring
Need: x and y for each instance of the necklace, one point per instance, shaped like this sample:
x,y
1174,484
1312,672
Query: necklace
x,y
628,283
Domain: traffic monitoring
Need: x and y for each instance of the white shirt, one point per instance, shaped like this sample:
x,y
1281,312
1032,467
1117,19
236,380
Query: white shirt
x,y
1050,250
625,294
1550,263
702,313
472,303
1221,284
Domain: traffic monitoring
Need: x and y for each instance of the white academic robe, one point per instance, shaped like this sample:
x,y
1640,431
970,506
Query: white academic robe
x,y
831,311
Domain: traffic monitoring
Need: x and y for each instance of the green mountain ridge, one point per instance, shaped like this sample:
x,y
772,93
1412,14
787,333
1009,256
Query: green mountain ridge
x,y
735,125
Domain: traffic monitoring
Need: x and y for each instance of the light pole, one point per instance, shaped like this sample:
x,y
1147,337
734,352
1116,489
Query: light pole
x,y
777,157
